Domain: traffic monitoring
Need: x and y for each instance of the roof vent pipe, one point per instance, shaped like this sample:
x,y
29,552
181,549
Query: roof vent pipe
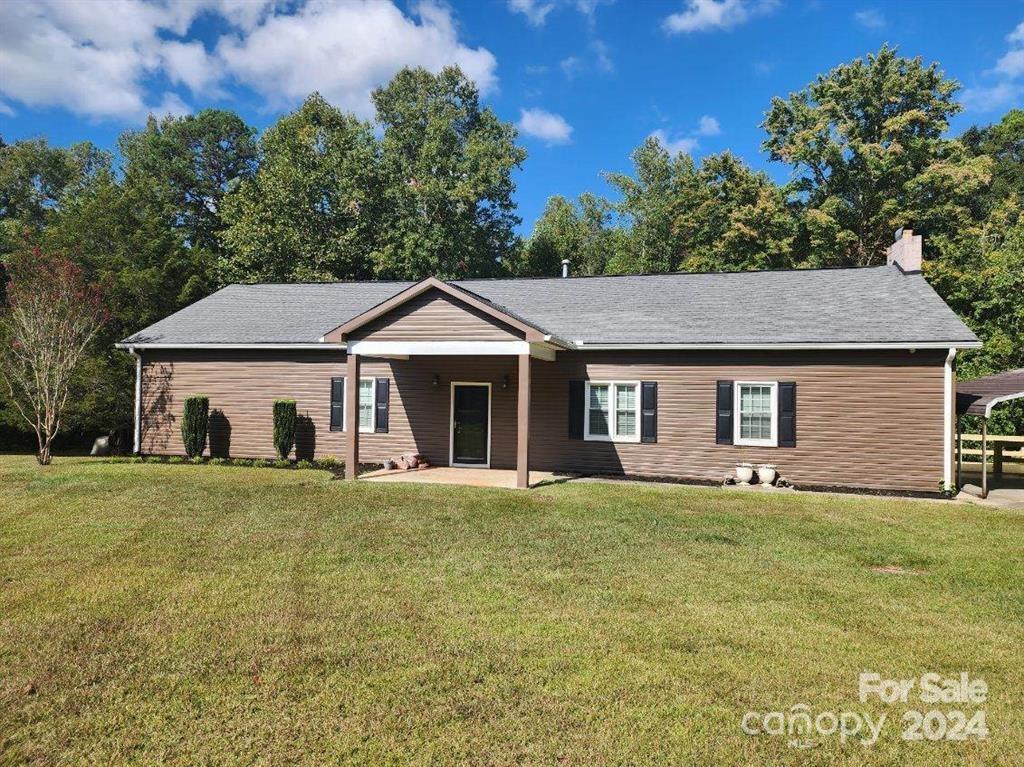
x,y
905,252
565,267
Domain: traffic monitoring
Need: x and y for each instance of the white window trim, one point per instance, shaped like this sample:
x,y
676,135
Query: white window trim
x,y
737,415
612,435
372,428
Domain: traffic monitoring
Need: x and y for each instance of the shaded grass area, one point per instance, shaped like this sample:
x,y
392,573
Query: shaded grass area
x,y
185,615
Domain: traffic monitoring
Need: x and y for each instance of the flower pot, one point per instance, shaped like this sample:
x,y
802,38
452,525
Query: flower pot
x,y
766,473
744,473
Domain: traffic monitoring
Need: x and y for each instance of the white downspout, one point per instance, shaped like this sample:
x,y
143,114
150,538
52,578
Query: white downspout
x,y
137,446
947,420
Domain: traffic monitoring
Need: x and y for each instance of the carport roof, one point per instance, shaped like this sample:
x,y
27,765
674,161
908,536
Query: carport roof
x,y
979,395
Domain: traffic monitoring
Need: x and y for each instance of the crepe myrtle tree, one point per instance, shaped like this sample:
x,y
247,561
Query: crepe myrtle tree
x,y
52,317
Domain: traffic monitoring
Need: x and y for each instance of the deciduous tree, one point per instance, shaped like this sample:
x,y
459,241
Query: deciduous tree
x,y
52,317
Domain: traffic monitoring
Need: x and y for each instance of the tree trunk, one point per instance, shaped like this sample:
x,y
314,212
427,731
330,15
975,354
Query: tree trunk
x,y
44,456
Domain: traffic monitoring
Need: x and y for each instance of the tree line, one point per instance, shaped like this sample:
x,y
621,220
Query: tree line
x,y
195,202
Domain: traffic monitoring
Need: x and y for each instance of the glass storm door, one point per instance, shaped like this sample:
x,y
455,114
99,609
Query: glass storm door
x,y
471,411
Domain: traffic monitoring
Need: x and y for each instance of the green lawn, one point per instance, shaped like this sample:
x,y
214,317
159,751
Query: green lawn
x,y
217,615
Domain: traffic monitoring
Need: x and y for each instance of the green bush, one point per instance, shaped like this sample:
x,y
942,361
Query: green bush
x,y
328,462
243,462
175,459
282,463
218,461
304,465
284,426
195,422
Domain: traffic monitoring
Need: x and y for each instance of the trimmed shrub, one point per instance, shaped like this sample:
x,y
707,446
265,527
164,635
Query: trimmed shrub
x,y
282,463
328,462
304,465
218,461
195,422
284,427
176,459
243,462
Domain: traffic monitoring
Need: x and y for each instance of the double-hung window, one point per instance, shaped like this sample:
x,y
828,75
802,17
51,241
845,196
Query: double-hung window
x,y
756,419
613,411
367,404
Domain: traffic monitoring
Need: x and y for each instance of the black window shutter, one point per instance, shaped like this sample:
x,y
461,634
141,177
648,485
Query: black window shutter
x,y
723,413
787,414
576,409
649,411
383,405
337,404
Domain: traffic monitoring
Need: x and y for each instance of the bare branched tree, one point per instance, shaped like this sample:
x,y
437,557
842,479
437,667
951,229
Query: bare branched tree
x,y
51,318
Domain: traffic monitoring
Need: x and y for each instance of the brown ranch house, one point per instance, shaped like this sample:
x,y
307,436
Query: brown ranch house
x,y
839,377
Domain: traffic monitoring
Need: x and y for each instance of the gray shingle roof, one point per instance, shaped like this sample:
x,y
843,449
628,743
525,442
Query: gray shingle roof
x,y
867,305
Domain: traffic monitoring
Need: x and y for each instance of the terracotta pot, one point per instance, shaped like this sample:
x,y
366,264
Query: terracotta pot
x,y
766,473
744,473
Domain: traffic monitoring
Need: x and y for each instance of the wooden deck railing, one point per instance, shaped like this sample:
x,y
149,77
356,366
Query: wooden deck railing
x,y
1005,453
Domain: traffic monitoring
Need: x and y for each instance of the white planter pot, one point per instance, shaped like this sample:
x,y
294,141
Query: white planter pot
x,y
766,473
744,473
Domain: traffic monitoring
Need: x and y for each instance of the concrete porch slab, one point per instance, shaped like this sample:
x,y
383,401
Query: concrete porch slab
x,y
446,475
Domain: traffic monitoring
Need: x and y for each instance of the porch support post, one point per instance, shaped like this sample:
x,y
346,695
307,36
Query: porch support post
x,y
984,458
523,424
352,416
959,452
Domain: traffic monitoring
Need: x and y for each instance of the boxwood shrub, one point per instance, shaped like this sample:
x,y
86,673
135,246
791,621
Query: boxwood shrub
x,y
195,422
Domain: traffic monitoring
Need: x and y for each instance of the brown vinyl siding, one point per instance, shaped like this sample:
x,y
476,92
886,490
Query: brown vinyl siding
x,y
864,419
434,316
242,386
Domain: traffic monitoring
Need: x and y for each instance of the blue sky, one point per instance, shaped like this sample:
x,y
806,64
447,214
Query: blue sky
x,y
586,80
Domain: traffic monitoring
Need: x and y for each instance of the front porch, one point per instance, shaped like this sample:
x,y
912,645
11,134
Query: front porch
x,y
422,326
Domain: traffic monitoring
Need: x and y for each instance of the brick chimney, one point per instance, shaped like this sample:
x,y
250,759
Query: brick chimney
x,y
905,252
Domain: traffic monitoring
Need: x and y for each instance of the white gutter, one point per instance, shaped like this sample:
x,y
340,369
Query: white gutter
x,y
217,347
137,431
947,420
997,400
581,345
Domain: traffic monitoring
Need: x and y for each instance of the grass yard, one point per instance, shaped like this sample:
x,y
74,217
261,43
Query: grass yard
x,y
156,614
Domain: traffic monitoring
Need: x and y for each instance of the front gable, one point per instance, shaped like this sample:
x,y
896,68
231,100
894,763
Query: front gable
x,y
433,310
435,316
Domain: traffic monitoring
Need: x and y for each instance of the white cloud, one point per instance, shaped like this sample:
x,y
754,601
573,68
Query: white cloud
x,y
674,146
703,15
602,56
1017,35
708,126
1012,63
571,66
544,125
101,61
985,98
345,51
1003,87
535,13
189,64
869,18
